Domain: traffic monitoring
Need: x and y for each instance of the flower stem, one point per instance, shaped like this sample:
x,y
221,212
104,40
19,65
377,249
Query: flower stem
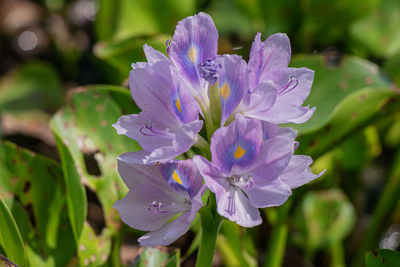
x,y
210,225
277,243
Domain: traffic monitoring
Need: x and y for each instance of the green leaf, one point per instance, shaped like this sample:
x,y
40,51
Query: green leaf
x,y
334,80
121,19
94,250
382,258
392,67
75,191
326,217
33,85
85,128
152,257
378,31
10,237
33,188
121,54
349,94
320,15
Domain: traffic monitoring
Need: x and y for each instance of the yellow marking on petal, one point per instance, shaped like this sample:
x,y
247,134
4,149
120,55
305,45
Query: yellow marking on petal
x,y
178,104
176,178
225,90
239,152
192,54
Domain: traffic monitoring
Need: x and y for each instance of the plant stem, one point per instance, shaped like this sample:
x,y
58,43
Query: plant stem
x,y
277,242
210,225
337,254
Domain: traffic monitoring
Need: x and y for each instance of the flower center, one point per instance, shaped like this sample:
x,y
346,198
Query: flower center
x,y
244,182
155,206
209,70
289,86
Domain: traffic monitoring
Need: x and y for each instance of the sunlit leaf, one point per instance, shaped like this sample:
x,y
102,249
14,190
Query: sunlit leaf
x,y
33,188
85,128
94,250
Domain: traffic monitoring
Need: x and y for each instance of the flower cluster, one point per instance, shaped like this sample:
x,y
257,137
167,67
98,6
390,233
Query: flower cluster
x,y
252,163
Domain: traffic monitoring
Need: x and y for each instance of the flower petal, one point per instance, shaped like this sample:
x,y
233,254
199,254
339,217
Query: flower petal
x,y
151,91
286,113
153,55
183,103
185,137
235,206
298,172
213,177
275,52
236,145
169,233
147,129
271,130
232,83
259,101
274,193
183,174
294,84
195,40
134,208
273,158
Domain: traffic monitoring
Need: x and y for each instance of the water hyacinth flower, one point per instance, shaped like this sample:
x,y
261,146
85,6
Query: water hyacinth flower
x,y
269,61
251,170
265,88
157,194
195,41
169,121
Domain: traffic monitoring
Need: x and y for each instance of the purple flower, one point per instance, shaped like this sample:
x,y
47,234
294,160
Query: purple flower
x,y
158,194
169,121
251,169
194,43
269,61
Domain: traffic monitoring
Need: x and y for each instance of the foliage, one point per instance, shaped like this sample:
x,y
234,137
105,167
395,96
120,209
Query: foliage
x,y
56,202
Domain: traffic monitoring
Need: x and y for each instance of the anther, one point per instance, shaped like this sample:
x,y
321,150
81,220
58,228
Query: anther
x,y
155,206
168,44
209,70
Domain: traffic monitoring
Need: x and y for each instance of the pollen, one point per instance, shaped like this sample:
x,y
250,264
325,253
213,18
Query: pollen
x,y
239,152
192,54
225,91
178,104
176,178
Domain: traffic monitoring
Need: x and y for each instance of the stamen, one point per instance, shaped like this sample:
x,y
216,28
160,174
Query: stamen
x,y
209,70
168,44
244,182
155,206
289,86
231,209
149,130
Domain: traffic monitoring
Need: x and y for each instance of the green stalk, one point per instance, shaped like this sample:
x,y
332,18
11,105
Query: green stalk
x,y
385,206
203,146
337,254
207,119
277,242
210,225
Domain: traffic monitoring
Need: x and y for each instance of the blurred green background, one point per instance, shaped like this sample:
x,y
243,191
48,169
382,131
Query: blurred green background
x,y
63,82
